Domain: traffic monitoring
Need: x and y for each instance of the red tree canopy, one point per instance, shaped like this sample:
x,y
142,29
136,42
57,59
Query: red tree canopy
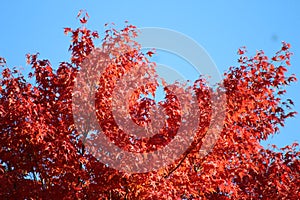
x,y
44,153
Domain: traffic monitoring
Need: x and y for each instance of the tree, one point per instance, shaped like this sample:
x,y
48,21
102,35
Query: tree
x,y
44,153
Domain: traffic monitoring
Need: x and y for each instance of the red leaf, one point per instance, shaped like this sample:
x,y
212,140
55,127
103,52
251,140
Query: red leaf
x,y
67,30
240,52
150,53
83,20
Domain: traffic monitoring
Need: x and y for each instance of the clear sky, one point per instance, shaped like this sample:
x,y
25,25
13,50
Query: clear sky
x,y
221,27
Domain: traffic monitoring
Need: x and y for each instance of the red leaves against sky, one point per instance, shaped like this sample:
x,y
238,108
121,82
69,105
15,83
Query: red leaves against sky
x,y
41,156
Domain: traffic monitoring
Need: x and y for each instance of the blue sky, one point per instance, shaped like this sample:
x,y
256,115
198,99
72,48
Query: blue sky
x,y
221,27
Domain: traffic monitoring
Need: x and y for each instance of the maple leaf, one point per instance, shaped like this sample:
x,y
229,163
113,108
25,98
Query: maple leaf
x,y
150,53
67,30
